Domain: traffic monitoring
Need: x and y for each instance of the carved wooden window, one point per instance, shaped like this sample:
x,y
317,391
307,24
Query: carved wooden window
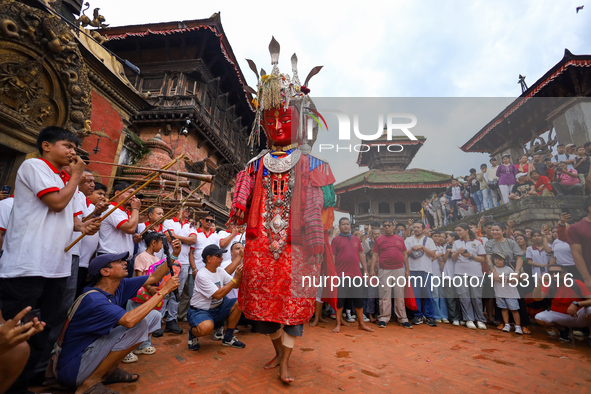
x,y
415,207
152,85
363,208
384,207
218,117
207,103
220,190
192,87
400,207
174,84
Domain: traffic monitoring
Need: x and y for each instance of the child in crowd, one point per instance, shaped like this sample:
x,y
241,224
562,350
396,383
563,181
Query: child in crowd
x,y
506,292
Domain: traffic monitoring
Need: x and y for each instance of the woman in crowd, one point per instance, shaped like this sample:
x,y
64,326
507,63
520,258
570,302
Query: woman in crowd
x,y
506,173
514,253
469,254
524,166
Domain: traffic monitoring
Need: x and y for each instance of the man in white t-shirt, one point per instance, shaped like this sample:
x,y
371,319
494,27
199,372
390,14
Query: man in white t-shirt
x,y
210,307
116,235
96,198
420,250
5,209
184,232
562,156
34,266
238,237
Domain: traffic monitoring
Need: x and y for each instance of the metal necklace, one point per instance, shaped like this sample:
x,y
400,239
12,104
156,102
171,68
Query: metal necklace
x,y
277,212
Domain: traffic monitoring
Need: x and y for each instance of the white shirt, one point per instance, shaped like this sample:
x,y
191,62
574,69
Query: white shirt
x,y
88,244
508,288
5,210
464,265
79,208
449,267
492,173
435,267
227,258
35,236
456,193
562,253
538,256
234,292
424,262
141,246
206,284
203,240
183,229
111,238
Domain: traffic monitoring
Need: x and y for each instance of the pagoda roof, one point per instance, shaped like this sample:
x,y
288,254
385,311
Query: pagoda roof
x,y
363,161
213,24
570,77
414,178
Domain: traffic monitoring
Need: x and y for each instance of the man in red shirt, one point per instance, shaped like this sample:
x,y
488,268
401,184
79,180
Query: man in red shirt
x,y
570,303
541,183
390,251
579,238
551,169
348,253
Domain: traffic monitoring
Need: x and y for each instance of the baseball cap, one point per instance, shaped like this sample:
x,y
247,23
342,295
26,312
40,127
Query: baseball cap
x,y
569,145
100,262
211,250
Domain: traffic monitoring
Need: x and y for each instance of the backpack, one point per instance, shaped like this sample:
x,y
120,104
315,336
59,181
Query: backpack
x,y
556,157
51,371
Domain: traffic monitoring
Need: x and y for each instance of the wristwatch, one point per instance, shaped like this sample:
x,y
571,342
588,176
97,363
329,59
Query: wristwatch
x,y
576,304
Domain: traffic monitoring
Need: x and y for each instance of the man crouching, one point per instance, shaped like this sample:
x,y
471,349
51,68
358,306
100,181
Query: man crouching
x,y
101,333
210,307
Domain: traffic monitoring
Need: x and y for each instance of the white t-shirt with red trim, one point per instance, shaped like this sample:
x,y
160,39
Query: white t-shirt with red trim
x,y
89,243
141,246
5,209
184,229
111,238
79,207
203,240
35,236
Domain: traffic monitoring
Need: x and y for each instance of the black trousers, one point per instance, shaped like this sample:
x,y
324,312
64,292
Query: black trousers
x,y
45,294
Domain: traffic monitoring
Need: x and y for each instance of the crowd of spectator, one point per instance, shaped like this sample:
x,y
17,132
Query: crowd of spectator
x,y
478,275
565,173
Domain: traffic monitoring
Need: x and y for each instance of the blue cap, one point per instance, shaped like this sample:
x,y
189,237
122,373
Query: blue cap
x,y
100,262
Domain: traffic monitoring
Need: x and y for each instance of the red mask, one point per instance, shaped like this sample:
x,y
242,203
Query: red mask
x,y
281,125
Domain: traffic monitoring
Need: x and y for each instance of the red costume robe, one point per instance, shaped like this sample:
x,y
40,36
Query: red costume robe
x,y
271,288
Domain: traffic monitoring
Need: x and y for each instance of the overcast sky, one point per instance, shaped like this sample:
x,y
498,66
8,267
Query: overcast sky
x,y
430,48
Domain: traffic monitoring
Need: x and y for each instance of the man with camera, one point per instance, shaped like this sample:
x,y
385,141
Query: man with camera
x,y
100,333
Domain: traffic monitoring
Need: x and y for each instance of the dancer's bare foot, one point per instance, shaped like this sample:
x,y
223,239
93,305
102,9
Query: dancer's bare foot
x,y
344,323
364,327
283,374
337,329
321,320
274,363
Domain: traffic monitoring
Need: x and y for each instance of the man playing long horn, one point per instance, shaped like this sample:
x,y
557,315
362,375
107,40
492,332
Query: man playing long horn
x,y
286,198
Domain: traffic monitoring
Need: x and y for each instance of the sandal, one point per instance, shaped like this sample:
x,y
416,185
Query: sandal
x,y
130,358
500,326
100,388
120,376
146,350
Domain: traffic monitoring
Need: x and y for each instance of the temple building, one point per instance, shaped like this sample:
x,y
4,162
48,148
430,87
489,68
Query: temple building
x,y
54,73
389,189
560,101
197,105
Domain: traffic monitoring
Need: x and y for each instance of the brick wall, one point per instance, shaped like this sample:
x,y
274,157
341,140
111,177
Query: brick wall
x,y
104,117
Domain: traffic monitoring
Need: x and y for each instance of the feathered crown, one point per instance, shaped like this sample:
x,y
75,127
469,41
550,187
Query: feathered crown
x,y
278,90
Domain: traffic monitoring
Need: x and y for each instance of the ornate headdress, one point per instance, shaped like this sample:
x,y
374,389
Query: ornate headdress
x,y
278,90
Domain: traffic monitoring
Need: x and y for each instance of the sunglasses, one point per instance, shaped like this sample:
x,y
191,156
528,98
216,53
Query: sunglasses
x,y
388,225
209,220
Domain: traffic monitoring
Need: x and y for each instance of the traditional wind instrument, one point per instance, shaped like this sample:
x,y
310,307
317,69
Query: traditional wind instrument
x,y
124,201
199,177
166,183
184,200
166,167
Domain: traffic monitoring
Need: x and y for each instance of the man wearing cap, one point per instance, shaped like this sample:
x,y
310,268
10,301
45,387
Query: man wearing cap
x,y
101,333
522,188
564,156
210,307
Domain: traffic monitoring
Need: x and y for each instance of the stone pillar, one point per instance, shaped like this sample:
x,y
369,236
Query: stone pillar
x,y
574,125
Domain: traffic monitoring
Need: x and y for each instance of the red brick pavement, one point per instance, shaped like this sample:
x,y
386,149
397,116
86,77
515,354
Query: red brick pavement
x,y
445,359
